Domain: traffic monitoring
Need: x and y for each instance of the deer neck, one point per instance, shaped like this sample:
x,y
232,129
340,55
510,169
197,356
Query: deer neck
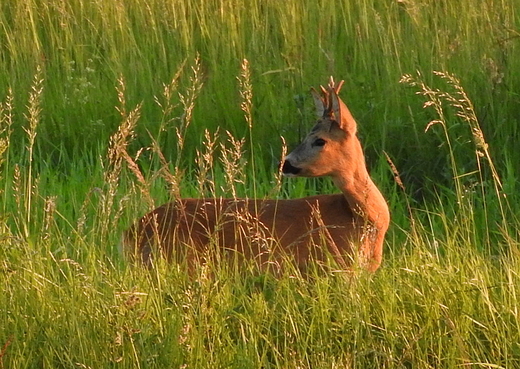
x,y
362,195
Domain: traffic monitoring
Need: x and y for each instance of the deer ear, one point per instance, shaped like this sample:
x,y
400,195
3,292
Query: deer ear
x,y
341,114
336,105
318,101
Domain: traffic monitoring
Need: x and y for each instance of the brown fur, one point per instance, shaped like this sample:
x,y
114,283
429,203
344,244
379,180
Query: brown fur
x,y
349,226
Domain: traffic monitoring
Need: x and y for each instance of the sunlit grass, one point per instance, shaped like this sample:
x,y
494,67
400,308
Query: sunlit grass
x,y
112,108
445,296
84,47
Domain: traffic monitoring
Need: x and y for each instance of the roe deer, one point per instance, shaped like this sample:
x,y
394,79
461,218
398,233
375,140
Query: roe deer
x,y
348,226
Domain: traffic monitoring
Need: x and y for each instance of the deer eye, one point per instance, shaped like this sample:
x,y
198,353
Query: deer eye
x,y
319,142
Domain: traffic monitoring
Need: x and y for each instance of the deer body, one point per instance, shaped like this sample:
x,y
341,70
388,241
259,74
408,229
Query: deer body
x,y
349,226
265,230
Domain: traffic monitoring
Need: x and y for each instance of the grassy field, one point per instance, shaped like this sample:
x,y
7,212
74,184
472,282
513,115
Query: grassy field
x,y
110,108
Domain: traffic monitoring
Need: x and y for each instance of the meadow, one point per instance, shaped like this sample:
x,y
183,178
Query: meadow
x,y
110,108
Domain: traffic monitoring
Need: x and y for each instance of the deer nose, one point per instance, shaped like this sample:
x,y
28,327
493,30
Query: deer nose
x,y
288,168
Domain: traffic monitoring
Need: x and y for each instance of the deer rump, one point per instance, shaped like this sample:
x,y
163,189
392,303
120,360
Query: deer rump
x,y
265,231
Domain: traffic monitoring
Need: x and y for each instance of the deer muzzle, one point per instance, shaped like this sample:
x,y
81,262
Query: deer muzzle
x,y
289,170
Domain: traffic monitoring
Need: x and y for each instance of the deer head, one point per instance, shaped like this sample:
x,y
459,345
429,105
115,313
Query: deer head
x,y
332,145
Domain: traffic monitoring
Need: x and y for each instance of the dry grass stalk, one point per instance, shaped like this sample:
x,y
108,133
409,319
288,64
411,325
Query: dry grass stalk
x,y
279,174
188,102
257,238
459,100
466,111
435,98
33,117
167,106
34,109
397,178
246,92
118,153
49,211
6,121
233,161
173,179
17,187
82,219
204,161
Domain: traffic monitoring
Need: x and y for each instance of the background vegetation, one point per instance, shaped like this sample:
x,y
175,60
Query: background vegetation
x,y
111,107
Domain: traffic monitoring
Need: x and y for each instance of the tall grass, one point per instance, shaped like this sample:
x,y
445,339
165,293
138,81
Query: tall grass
x,y
85,46
111,108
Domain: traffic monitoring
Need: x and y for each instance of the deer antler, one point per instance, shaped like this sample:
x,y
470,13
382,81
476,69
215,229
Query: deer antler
x,y
325,98
324,90
334,87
